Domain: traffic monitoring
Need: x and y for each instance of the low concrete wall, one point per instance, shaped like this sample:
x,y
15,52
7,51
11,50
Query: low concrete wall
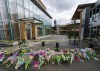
x,y
5,44
8,44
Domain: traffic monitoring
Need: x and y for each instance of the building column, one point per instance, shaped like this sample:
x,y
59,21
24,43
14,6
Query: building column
x,y
30,31
80,25
23,31
90,32
96,31
81,31
34,31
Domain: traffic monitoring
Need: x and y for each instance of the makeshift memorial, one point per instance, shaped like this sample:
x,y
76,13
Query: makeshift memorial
x,y
26,56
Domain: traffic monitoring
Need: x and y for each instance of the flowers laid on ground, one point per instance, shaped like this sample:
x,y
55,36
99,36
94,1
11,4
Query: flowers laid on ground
x,y
27,57
1,56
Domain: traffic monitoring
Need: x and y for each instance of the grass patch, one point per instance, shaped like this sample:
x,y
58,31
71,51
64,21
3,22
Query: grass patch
x,y
7,41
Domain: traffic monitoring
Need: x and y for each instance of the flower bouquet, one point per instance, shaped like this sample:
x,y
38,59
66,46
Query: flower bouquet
x,y
41,61
12,59
84,54
28,59
35,61
20,62
27,62
1,56
58,58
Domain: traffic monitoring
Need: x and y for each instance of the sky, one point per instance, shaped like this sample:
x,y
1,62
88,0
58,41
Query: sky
x,y
63,10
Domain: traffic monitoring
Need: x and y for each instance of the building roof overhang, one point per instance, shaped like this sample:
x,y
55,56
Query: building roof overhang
x,y
79,9
31,20
36,3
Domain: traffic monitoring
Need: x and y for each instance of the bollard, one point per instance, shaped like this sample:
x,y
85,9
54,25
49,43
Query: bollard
x,y
57,45
91,45
43,44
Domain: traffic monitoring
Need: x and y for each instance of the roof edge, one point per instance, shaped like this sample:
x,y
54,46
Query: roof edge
x,y
37,4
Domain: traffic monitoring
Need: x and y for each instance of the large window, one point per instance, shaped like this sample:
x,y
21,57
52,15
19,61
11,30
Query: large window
x,y
0,17
12,0
97,13
1,29
20,12
13,10
7,30
31,6
3,10
39,31
31,14
15,30
35,10
26,4
1,32
21,2
27,14
4,16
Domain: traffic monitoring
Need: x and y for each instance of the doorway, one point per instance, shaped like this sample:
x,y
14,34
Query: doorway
x,y
28,28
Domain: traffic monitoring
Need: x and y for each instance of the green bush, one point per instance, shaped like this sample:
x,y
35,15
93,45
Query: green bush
x,y
7,41
70,34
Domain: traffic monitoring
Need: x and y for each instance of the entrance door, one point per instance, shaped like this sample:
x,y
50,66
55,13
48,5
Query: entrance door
x,y
28,34
28,31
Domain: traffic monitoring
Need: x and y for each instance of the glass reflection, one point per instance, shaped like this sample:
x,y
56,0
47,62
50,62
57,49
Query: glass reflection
x,y
15,28
26,4
6,30
20,12
21,2
13,11
27,14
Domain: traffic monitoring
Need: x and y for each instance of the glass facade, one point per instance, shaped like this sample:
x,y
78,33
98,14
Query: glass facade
x,y
95,22
4,20
95,14
12,10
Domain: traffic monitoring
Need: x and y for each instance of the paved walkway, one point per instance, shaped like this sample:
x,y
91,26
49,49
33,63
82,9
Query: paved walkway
x,y
50,42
